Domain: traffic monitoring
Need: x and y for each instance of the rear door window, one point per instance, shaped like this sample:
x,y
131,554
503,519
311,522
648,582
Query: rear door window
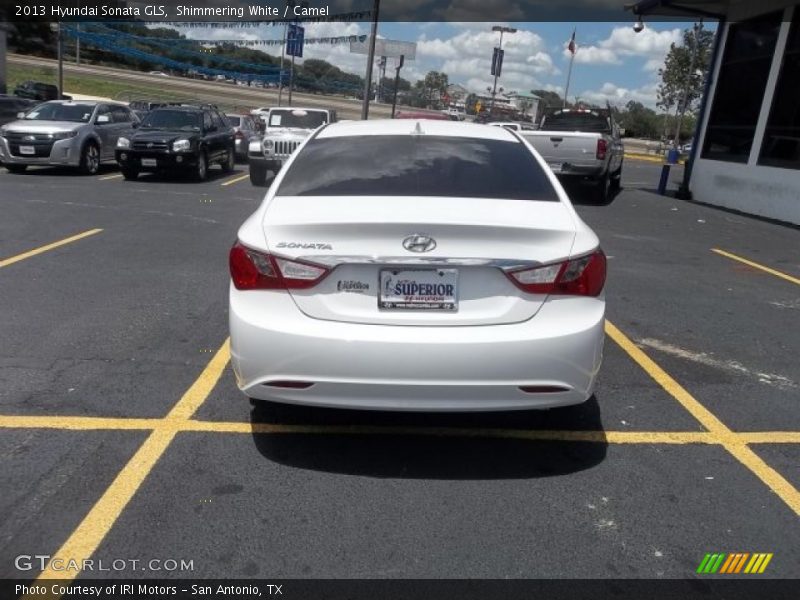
x,y
421,165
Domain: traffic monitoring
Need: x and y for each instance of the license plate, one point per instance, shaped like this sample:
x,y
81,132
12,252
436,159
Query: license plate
x,y
555,167
27,150
149,162
429,289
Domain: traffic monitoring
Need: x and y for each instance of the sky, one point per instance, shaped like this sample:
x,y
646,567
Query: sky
x,y
612,62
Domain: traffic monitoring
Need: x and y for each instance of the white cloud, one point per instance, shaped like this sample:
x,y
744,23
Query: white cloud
x,y
619,96
624,41
466,58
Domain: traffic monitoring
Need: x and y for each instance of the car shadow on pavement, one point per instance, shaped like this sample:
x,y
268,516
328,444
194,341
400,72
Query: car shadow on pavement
x,y
469,446
46,170
214,174
584,195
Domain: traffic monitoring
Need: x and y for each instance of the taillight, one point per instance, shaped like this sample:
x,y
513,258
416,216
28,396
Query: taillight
x,y
253,270
239,135
602,148
582,276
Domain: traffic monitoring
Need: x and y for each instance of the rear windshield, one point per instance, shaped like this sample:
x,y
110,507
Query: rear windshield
x,y
180,120
572,121
419,165
304,119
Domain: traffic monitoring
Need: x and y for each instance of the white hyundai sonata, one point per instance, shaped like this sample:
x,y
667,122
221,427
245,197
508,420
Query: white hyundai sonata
x,y
417,265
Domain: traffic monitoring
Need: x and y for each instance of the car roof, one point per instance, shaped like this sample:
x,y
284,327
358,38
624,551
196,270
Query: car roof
x,y
416,127
82,102
299,108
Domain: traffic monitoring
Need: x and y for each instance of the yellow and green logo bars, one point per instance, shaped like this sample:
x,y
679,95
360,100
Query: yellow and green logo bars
x,y
737,562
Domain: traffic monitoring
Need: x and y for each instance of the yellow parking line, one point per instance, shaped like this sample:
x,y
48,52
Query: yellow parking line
x,y
770,437
107,177
83,542
40,249
235,179
730,440
755,265
78,423
181,424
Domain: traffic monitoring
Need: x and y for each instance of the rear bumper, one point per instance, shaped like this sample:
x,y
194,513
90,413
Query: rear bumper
x,y
416,368
570,172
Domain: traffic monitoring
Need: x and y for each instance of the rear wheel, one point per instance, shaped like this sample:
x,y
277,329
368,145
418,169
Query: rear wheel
x,y
16,168
130,174
258,174
202,167
602,189
229,164
616,179
90,159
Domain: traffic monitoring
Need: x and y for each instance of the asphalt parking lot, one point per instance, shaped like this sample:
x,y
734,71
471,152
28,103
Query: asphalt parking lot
x,y
124,436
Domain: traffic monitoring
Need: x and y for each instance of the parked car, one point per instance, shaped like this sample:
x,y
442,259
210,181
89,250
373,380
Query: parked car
x,y
187,138
35,90
455,113
65,133
10,106
376,237
286,129
581,145
245,130
159,73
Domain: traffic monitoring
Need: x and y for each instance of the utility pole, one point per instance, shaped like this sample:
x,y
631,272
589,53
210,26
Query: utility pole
x,y
499,62
283,56
698,27
60,53
3,82
370,60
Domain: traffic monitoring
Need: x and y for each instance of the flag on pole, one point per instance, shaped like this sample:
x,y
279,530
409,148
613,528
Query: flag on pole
x,y
572,47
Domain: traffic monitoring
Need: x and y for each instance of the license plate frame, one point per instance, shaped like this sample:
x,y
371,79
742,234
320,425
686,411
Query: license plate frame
x,y
27,150
389,278
149,162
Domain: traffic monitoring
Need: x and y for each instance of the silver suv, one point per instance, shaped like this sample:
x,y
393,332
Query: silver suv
x,y
79,134
287,128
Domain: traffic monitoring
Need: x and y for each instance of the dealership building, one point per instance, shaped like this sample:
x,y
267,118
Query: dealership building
x,y
746,154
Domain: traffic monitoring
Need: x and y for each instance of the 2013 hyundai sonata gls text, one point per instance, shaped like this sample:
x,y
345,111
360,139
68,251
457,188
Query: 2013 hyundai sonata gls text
x,y
417,265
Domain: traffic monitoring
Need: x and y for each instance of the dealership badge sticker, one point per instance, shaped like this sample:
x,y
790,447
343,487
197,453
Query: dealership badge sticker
x,y
734,563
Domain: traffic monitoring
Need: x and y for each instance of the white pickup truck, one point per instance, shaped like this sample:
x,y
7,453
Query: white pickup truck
x,y
582,145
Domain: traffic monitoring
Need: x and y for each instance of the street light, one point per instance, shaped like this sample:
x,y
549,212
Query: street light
x,y
502,30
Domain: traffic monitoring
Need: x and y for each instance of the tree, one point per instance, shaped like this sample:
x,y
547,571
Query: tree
x,y
433,87
681,85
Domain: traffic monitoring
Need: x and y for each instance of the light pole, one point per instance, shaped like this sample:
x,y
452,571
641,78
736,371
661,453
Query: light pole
x,y
502,30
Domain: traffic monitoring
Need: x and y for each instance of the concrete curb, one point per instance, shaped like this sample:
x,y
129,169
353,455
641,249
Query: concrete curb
x,y
650,158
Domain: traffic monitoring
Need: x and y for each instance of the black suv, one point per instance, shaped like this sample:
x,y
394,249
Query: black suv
x,y
186,138
35,90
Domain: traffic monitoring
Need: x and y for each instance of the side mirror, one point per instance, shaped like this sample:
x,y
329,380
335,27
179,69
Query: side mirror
x,y
103,119
20,115
135,125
